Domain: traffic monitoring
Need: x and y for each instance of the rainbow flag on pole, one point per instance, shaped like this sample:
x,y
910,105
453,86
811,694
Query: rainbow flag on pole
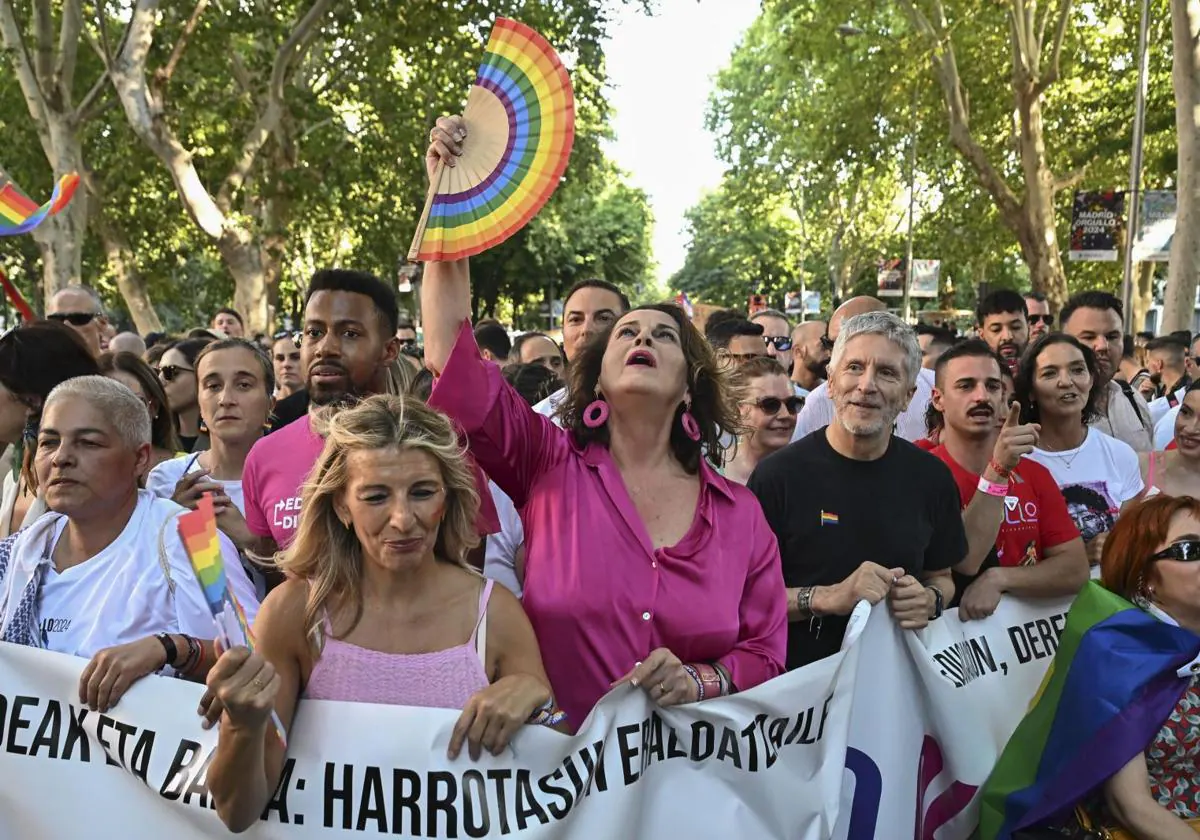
x,y
1111,686
198,530
18,213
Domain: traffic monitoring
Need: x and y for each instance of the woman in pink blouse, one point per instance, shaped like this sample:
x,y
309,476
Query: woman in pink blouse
x,y
642,564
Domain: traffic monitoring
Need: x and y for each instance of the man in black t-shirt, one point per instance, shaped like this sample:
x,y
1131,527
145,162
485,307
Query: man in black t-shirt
x,y
859,513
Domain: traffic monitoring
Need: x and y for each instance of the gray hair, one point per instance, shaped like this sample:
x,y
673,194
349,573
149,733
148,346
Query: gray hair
x,y
123,408
890,327
87,290
771,313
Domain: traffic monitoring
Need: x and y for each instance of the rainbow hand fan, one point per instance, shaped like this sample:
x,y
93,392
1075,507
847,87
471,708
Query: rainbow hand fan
x,y
198,530
18,214
520,119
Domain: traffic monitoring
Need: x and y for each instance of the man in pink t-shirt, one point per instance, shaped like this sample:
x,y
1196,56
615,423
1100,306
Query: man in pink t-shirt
x,y
348,341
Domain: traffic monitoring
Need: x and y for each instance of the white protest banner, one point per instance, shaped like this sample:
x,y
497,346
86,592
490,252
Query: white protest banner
x,y
916,719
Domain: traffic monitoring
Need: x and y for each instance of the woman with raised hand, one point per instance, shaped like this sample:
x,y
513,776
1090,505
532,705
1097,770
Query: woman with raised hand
x,y
769,408
236,382
643,565
379,607
139,377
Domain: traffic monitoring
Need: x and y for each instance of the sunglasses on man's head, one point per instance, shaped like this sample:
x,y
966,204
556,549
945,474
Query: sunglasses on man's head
x,y
75,319
781,343
1048,320
1184,550
771,405
170,372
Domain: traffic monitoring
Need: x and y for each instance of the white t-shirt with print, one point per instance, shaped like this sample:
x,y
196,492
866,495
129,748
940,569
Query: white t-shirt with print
x,y
1096,479
121,594
163,478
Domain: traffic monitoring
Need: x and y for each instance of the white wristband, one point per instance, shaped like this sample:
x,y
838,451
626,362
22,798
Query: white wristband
x,y
992,488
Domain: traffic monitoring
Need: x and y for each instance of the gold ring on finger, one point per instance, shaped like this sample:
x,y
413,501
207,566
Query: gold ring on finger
x,y
662,688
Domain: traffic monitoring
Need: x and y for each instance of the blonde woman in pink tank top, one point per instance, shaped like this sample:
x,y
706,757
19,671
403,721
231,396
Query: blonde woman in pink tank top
x,y
379,607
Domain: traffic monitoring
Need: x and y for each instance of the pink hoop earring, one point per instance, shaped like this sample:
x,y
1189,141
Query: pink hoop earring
x,y
690,427
596,414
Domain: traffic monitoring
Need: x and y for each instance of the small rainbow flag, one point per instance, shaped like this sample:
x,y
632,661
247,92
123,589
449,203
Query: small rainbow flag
x,y
1109,689
18,213
829,518
198,530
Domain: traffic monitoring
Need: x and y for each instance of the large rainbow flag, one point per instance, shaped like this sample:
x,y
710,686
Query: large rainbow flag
x,y
19,214
1111,686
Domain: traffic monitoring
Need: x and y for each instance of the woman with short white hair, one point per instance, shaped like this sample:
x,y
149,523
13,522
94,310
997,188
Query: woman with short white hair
x,y
104,574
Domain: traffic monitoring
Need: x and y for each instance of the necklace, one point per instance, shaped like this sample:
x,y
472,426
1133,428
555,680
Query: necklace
x,y
1068,460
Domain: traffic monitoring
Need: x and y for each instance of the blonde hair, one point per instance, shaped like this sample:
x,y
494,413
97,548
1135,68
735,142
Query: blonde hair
x,y
326,553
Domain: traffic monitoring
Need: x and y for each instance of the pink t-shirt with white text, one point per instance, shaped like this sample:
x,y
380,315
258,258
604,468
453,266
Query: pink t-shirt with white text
x,y
274,475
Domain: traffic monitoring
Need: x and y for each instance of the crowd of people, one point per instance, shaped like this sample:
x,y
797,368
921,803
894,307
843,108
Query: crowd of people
x,y
512,527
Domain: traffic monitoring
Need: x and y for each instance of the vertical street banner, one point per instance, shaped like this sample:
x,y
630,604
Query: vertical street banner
x,y
894,734
926,274
1156,227
890,279
1097,223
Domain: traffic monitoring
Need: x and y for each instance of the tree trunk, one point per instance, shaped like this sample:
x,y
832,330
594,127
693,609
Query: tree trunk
x,y
60,237
1143,295
1180,298
1035,226
123,264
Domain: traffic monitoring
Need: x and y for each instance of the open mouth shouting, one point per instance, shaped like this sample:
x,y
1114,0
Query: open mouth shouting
x,y
642,358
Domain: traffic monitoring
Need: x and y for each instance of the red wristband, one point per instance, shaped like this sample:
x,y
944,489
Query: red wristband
x,y
1003,472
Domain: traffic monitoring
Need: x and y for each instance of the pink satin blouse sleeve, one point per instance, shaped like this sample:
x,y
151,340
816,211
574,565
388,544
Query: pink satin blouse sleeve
x,y
512,443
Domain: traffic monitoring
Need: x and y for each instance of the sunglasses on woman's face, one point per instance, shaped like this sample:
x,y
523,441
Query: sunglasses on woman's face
x,y
170,372
770,405
1184,551
75,319
1048,320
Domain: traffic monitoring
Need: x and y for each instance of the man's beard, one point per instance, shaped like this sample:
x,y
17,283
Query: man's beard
x,y
884,425
339,398
818,369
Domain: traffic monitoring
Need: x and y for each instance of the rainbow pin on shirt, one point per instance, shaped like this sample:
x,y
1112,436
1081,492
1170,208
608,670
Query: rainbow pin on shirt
x,y
828,518
18,213
198,530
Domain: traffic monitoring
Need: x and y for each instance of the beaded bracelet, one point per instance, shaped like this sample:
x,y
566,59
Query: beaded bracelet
x,y
695,675
547,715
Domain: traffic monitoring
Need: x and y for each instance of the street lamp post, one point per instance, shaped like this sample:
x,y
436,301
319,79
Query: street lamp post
x,y
1135,165
912,201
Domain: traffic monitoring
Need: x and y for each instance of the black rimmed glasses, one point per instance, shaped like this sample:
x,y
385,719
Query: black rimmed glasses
x,y
781,343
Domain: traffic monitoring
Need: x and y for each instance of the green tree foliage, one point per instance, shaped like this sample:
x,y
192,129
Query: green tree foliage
x,y
819,102
340,179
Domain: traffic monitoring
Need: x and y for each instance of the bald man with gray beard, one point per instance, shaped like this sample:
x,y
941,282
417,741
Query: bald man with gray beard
x,y
818,407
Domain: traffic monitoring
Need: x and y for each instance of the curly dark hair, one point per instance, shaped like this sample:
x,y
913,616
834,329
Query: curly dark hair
x,y
714,405
1023,382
